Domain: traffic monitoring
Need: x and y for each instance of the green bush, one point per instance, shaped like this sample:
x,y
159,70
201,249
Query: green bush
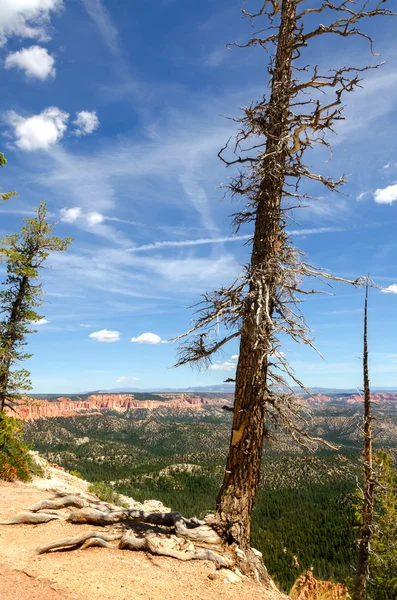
x,y
106,493
16,462
76,474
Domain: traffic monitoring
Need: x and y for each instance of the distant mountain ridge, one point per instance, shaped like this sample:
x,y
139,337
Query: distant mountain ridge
x,y
216,388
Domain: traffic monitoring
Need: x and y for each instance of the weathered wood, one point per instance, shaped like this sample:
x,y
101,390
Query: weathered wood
x,y
73,542
364,550
158,546
56,503
192,529
98,542
237,495
31,518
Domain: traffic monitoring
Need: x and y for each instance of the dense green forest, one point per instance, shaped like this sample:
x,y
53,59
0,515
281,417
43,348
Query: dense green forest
x,y
304,512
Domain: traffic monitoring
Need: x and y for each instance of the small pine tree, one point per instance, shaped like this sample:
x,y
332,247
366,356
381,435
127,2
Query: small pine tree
x,y
383,559
24,255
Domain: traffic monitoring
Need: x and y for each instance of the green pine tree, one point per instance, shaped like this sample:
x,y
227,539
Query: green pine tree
x,y
5,195
383,559
24,255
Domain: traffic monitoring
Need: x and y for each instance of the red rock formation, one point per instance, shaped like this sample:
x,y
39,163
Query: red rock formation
x,y
309,588
32,409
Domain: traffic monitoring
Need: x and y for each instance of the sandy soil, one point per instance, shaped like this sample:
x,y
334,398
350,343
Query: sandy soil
x,y
95,573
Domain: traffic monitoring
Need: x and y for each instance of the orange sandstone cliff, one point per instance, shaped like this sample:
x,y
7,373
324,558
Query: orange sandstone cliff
x,y
32,409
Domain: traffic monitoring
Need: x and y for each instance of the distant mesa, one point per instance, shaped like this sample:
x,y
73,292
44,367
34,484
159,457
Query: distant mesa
x,y
125,403
96,404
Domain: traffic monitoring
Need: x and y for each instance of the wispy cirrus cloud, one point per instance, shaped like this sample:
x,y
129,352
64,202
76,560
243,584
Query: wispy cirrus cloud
x,y
101,18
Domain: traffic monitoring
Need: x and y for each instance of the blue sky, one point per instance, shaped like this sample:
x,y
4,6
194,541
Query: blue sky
x,y
113,113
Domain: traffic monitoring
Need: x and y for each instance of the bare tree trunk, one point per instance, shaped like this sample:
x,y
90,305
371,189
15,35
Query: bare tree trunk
x,y
362,569
236,498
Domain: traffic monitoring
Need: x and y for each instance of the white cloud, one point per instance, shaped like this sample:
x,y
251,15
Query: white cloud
x,y
84,325
120,379
38,132
362,195
392,289
386,195
228,365
101,18
40,322
147,338
26,18
105,336
35,61
215,58
70,215
73,214
94,218
86,122
182,243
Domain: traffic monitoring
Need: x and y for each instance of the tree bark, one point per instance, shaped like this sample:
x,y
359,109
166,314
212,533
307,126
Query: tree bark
x,y
362,569
236,497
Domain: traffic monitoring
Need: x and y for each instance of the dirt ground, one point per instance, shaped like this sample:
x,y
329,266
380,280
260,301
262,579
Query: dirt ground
x,y
96,573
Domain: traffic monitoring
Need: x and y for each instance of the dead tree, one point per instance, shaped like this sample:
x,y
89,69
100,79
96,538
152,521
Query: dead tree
x,y
298,112
364,550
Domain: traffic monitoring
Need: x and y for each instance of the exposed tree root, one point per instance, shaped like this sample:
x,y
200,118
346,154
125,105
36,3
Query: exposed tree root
x,y
31,518
172,546
79,541
60,502
171,534
192,529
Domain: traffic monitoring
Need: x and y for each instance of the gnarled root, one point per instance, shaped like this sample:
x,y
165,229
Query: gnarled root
x,y
192,529
175,536
172,546
81,541
31,518
60,502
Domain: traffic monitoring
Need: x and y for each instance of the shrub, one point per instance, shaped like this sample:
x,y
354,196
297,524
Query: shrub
x,y
106,493
76,474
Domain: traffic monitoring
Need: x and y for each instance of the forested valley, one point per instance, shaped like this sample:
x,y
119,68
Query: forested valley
x,y
304,515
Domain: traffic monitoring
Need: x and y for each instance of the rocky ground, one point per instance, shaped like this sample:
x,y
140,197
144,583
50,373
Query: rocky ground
x,y
96,574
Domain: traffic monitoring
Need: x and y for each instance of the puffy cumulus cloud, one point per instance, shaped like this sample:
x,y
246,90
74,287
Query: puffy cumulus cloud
x,y
94,218
386,195
227,365
147,338
70,215
392,289
73,214
121,379
26,18
105,336
86,122
35,61
38,132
